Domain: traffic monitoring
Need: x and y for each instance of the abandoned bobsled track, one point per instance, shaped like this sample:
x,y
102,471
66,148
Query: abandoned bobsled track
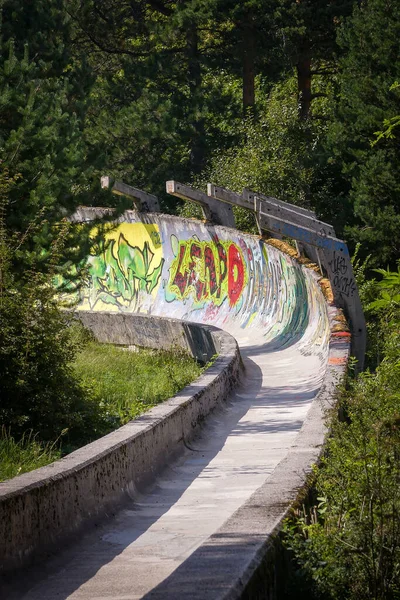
x,y
193,503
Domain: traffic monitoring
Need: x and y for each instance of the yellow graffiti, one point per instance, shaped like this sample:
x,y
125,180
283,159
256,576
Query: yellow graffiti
x,y
125,268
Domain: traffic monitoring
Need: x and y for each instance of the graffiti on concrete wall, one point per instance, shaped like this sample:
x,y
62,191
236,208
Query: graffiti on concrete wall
x,y
212,270
186,270
213,279
121,272
126,267
343,281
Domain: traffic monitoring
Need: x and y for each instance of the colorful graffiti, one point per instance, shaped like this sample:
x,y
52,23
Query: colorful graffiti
x,y
207,271
125,269
184,270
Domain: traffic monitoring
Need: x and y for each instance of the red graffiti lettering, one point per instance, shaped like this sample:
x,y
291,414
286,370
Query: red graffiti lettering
x,y
235,275
208,271
222,267
209,263
181,275
194,276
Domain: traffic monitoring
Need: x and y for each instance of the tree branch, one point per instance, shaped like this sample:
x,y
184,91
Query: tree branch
x,y
160,7
319,95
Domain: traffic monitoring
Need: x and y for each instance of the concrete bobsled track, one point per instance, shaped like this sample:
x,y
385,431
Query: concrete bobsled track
x,y
204,526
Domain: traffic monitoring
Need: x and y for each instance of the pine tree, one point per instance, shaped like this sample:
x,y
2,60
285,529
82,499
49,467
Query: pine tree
x,y
44,160
371,40
310,29
148,92
44,90
170,74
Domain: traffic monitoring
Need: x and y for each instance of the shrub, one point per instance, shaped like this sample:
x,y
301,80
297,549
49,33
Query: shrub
x,y
348,543
39,391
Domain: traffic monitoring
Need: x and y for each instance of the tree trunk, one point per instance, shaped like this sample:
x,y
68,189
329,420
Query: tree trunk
x,y
304,85
197,142
248,65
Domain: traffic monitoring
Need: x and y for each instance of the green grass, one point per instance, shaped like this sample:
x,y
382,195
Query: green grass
x,y
119,384
126,383
17,457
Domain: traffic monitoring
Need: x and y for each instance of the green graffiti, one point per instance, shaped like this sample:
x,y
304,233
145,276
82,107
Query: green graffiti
x,y
119,274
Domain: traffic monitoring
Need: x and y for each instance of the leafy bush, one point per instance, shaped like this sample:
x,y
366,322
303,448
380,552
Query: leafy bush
x,y
348,544
277,154
38,386
39,391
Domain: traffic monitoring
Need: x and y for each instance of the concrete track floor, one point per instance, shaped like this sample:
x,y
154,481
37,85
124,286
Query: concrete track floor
x,y
157,531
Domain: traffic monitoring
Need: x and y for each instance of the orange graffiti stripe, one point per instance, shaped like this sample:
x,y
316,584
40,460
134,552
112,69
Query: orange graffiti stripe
x,y
344,334
337,361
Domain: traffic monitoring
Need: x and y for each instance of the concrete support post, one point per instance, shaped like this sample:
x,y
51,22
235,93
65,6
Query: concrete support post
x,y
257,210
213,211
143,201
294,214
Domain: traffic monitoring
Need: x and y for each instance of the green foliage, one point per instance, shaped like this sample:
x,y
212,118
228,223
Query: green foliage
x,y
277,155
368,100
348,544
118,385
26,454
359,530
169,89
380,300
125,383
389,124
389,288
45,172
150,98
311,26
45,88
38,389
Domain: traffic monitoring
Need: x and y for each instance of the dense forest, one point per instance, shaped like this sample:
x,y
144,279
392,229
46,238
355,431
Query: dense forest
x,y
298,99
284,97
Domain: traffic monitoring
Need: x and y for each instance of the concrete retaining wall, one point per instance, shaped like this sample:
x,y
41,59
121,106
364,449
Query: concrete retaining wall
x,y
153,332
46,506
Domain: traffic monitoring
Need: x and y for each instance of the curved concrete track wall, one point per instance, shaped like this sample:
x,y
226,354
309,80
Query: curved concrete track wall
x,y
205,528
183,269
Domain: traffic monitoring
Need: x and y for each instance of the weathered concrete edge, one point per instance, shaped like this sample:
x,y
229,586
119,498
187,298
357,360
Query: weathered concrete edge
x,y
241,560
47,506
202,342
289,483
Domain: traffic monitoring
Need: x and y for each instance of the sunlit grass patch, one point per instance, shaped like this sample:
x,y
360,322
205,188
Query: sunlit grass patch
x,y
126,383
118,384
17,457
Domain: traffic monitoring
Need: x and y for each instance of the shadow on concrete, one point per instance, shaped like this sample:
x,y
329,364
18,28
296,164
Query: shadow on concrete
x,y
212,571
61,575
